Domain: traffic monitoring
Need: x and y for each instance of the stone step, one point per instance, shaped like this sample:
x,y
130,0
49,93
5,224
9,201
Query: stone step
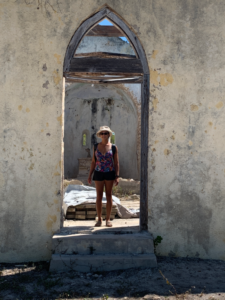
x,y
103,243
98,263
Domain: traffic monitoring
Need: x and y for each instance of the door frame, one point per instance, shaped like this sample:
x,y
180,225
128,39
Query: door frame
x,y
107,12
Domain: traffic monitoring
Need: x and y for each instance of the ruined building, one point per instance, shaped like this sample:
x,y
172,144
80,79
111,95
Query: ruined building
x,y
178,118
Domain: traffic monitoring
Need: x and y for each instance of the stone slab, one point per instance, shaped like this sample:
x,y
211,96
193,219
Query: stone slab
x,y
118,224
98,263
105,243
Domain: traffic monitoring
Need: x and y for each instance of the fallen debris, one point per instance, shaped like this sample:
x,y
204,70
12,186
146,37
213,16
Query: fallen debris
x,y
80,203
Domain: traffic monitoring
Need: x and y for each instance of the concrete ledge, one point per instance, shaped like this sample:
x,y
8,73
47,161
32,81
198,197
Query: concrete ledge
x,y
84,244
94,263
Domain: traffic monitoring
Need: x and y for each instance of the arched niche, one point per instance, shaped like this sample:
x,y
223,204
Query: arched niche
x,y
76,66
86,140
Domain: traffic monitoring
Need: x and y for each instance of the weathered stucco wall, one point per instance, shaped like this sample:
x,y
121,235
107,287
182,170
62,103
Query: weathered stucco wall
x,y
186,158
89,106
184,43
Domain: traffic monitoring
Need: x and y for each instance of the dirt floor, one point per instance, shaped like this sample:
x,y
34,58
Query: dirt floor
x,y
174,278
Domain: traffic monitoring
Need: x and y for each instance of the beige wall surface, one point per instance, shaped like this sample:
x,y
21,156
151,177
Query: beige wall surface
x,y
184,44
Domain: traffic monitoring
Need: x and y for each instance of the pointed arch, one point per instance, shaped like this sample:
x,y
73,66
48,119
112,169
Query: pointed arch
x,y
105,12
141,61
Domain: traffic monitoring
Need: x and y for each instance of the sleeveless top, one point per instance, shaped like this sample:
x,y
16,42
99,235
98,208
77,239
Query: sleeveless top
x,y
104,163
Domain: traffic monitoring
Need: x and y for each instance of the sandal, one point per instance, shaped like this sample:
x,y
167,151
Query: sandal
x,y
108,224
98,224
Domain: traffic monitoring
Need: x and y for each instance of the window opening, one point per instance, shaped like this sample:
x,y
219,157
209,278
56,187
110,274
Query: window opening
x,y
105,37
113,138
106,22
84,139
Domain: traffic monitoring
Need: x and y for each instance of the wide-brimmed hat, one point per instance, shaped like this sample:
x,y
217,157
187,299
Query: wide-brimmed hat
x,y
104,128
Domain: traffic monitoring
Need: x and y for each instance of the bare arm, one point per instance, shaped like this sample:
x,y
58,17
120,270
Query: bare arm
x,y
92,166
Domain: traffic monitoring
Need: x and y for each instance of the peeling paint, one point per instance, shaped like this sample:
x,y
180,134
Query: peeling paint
x,y
219,105
154,103
167,152
166,79
51,220
58,58
154,53
56,77
31,167
154,77
160,79
194,107
59,119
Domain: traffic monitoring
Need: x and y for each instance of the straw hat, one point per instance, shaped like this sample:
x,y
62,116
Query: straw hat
x,y
104,128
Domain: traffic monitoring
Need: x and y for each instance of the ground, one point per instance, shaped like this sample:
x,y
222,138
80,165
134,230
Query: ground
x,y
174,278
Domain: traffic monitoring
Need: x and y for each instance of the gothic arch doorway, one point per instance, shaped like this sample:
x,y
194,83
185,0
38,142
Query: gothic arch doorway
x,y
108,68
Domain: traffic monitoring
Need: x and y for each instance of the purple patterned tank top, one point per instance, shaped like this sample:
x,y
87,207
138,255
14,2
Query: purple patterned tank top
x,y
104,163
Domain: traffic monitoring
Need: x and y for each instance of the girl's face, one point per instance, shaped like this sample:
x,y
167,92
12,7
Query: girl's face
x,y
104,135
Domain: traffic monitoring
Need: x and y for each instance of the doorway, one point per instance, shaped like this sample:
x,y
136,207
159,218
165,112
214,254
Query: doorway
x,y
113,65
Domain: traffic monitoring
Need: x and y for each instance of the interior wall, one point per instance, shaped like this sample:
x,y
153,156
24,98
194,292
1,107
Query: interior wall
x,y
89,106
184,43
104,44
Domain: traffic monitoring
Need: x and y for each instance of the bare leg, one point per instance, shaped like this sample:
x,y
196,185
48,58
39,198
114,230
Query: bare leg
x,y
108,191
99,189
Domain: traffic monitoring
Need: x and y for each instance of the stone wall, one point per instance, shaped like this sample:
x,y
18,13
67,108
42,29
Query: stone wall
x,y
184,43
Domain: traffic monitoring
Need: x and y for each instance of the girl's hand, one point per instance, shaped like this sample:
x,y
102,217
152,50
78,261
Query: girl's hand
x,y
116,181
89,179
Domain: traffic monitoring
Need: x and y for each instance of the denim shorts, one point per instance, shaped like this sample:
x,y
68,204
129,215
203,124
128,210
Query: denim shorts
x,y
101,176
